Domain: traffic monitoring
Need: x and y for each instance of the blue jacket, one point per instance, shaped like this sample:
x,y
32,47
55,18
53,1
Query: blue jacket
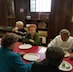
x,y
11,62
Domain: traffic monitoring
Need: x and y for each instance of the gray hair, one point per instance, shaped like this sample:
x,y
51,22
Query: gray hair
x,y
8,40
19,23
54,55
64,31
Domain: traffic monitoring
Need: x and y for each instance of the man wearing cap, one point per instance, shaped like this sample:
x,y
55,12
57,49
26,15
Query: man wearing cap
x,y
63,40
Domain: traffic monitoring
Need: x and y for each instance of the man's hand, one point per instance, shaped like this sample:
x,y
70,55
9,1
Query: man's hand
x,y
71,56
38,60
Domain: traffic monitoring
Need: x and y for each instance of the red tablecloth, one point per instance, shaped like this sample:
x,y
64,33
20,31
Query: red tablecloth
x,y
35,49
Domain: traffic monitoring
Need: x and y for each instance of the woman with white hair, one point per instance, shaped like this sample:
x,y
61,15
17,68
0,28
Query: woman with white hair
x,y
19,28
63,40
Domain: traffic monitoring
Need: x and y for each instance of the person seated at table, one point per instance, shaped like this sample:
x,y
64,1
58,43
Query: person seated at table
x,y
10,61
32,36
64,41
19,28
54,57
9,29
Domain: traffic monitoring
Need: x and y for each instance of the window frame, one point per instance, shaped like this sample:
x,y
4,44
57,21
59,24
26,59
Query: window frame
x,y
38,11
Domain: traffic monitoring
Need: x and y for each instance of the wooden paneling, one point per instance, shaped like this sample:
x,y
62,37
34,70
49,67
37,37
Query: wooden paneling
x,y
11,22
71,24
60,16
21,4
3,20
72,8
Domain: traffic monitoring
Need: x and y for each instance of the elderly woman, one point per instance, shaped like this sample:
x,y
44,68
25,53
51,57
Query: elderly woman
x,y
32,36
64,41
10,61
54,57
19,29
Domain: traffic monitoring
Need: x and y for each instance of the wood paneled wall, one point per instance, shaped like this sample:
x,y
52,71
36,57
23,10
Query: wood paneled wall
x,y
60,16
71,24
3,20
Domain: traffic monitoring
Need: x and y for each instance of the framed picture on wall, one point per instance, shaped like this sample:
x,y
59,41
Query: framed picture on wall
x,y
10,9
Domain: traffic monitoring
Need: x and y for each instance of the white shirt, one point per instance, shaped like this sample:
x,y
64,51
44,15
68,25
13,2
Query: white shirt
x,y
58,42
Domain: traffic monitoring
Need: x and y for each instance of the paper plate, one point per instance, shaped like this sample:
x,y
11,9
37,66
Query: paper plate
x,y
25,46
31,56
65,66
66,54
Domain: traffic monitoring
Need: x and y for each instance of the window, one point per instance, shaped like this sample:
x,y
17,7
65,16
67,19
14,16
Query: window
x,y
40,5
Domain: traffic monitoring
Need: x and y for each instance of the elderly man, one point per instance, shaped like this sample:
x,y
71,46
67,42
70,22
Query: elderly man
x,y
54,57
64,41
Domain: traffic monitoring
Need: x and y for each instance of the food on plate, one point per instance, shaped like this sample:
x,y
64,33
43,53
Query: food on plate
x,y
65,65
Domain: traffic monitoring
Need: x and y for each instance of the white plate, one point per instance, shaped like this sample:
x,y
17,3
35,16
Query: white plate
x,y
66,54
31,56
65,66
25,46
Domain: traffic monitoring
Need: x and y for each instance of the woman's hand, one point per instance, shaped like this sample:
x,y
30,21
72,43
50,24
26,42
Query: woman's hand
x,y
15,29
31,40
22,53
